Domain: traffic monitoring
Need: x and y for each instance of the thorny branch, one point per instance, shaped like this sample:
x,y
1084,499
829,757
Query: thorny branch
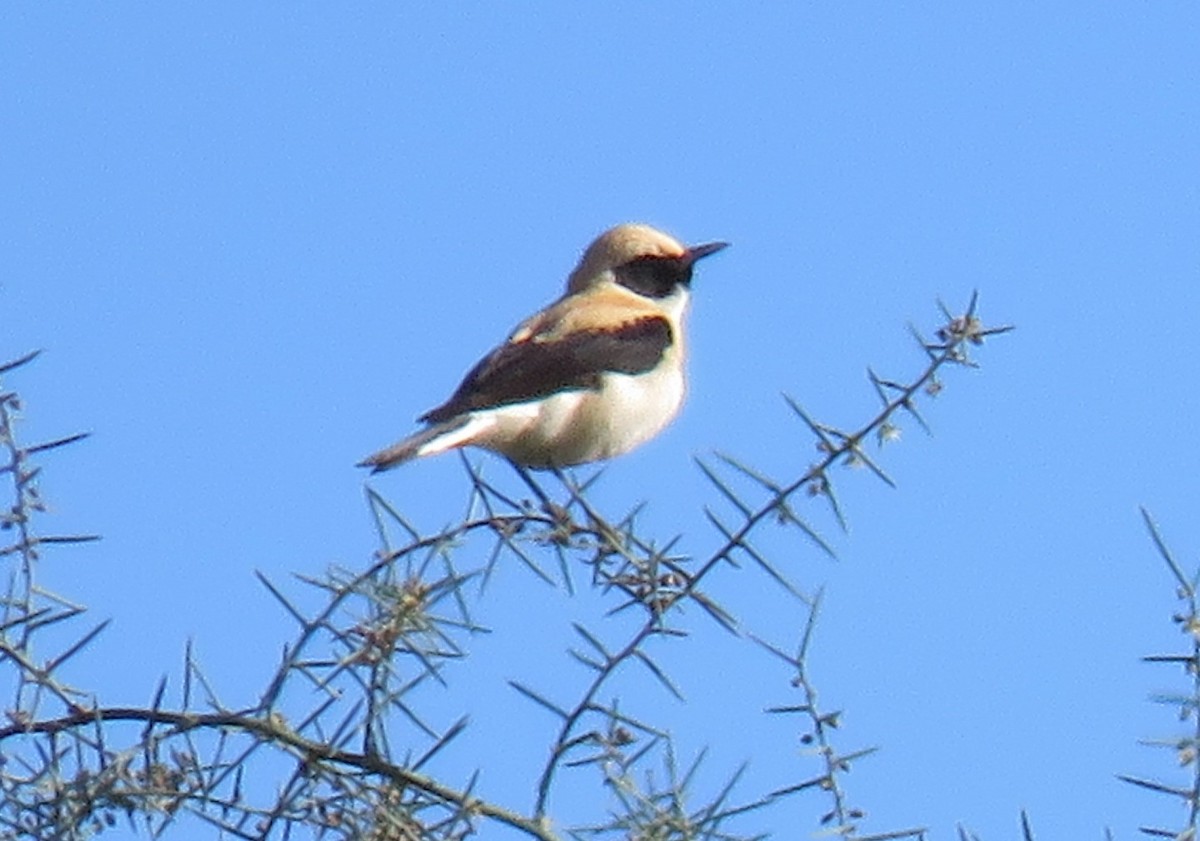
x,y
274,729
381,632
818,737
952,345
1186,748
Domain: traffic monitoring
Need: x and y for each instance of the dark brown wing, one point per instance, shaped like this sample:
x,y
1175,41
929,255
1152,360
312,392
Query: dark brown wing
x,y
529,369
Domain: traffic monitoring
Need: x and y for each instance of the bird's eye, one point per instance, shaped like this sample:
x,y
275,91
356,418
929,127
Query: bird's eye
x,y
654,277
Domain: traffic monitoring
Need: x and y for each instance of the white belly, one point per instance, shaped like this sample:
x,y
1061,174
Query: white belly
x,y
581,426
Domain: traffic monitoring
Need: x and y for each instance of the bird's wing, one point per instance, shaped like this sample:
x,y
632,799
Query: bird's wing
x,y
549,354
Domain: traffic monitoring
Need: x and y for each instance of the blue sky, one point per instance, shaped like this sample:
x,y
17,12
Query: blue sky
x,y
257,242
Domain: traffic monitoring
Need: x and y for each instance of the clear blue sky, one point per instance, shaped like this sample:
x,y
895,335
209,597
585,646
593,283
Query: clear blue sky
x,y
257,242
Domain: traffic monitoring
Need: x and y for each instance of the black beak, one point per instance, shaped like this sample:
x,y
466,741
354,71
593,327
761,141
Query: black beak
x,y
697,252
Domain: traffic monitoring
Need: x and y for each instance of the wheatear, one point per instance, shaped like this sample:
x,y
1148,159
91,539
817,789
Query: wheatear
x,y
592,376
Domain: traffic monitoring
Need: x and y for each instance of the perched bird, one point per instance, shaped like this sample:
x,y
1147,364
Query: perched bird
x,y
592,376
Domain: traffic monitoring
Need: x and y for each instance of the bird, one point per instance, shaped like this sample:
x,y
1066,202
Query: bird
x,y
593,375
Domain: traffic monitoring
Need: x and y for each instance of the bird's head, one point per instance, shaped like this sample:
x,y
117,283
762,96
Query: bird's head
x,y
640,258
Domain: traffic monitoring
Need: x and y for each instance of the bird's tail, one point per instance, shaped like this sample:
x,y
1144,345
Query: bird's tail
x,y
456,432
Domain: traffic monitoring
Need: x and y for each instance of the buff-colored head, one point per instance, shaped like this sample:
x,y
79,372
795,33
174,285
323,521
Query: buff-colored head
x,y
618,246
